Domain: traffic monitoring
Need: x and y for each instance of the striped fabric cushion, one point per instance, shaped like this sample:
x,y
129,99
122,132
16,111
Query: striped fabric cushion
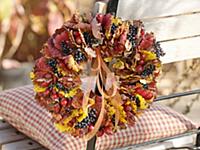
x,y
19,108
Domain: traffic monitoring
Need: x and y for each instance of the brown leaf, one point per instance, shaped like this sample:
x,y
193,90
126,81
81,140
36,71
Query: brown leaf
x,y
96,27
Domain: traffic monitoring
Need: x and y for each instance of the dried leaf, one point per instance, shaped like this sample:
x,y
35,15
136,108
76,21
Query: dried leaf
x,y
96,27
149,55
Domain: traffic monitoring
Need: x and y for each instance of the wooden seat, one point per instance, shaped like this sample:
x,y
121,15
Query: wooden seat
x,y
11,139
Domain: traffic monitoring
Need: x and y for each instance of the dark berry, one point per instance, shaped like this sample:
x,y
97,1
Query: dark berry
x,y
148,70
52,63
137,101
89,39
91,118
84,123
132,35
133,30
79,56
158,50
113,119
60,86
132,98
65,48
113,28
68,110
92,115
145,86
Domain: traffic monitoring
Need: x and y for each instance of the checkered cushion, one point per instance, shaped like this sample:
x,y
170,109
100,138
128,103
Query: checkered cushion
x,y
19,108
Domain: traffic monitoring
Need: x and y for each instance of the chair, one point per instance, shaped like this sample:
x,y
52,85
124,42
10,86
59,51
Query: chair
x,y
175,42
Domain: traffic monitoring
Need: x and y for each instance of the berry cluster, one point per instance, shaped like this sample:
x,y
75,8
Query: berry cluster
x,y
113,28
89,39
65,48
123,57
158,50
148,70
90,119
79,56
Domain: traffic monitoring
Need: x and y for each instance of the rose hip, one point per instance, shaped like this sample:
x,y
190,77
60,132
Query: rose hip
x,y
141,62
78,40
64,102
127,108
91,127
149,95
46,93
100,133
56,108
44,84
99,18
139,68
108,130
54,96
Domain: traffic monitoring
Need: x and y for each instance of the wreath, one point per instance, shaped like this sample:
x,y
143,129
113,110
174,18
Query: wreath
x,y
97,74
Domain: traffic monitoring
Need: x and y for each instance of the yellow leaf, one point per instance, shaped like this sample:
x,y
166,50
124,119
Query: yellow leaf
x,y
32,75
149,55
134,107
108,59
116,21
70,93
83,116
38,88
143,104
91,101
63,128
111,111
119,64
73,64
107,34
75,113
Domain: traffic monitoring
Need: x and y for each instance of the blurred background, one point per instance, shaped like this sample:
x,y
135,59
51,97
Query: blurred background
x,y
26,24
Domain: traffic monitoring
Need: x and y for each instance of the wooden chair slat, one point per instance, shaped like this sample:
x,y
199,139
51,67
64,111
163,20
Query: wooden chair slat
x,y
147,8
174,27
21,145
181,32
179,50
10,135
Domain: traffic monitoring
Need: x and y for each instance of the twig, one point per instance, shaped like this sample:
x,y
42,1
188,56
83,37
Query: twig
x,y
190,104
192,67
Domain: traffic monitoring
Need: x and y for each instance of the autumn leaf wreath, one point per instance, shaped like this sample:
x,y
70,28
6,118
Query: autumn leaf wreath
x,y
97,74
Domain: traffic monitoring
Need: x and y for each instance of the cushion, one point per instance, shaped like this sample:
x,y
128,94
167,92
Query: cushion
x,y
19,108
